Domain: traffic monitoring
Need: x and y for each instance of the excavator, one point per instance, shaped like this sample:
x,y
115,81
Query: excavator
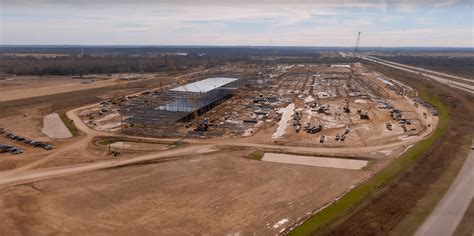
x,y
365,116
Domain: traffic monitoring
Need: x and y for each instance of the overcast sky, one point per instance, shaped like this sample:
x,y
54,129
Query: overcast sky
x,y
248,22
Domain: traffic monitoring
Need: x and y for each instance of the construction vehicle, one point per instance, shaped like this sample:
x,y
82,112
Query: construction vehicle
x,y
298,128
315,129
115,153
404,128
346,107
203,126
297,119
324,109
337,137
321,139
307,126
365,116
346,131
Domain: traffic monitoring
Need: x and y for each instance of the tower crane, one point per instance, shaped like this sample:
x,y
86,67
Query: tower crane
x,y
356,47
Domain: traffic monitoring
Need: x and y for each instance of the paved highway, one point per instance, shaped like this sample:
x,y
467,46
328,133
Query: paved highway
x,y
455,84
450,210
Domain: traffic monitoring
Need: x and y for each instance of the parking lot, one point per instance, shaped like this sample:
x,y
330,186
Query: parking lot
x,y
15,144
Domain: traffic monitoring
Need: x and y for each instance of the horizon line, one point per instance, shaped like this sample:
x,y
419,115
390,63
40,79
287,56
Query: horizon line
x,y
217,46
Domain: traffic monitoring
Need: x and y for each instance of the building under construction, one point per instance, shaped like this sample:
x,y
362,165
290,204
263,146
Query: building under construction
x,y
157,113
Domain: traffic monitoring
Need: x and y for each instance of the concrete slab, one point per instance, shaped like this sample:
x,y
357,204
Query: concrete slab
x,y
54,127
315,161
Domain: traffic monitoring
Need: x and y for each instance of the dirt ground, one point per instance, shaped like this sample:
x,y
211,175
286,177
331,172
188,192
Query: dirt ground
x,y
218,193
55,99
35,86
466,227
204,194
25,117
383,212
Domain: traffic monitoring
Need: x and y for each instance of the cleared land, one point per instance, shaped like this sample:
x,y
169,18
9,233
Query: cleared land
x,y
200,194
29,86
466,227
218,191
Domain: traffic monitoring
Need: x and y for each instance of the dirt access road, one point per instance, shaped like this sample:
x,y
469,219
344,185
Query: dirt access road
x,y
21,176
215,193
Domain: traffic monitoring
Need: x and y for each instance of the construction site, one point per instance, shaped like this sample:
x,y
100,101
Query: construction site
x,y
236,118
328,105
237,148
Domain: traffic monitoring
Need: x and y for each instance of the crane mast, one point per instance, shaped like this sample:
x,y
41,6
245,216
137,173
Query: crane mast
x,y
356,47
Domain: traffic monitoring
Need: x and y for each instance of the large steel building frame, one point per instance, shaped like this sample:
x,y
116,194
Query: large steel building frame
x,y
156,113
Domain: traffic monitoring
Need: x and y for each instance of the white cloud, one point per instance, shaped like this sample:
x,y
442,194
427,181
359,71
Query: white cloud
x,y
278,22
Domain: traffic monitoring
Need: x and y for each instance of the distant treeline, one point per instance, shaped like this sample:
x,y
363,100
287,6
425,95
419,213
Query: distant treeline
x,y
463,66
74,65
77,60
211,50
107,59
160,50
137,60
70,66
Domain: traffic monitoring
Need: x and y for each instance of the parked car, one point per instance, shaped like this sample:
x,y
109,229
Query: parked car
x,y
30,142
47,146
16,150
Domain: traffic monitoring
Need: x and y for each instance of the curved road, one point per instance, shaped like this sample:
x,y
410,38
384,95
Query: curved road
x,y
455,84
450,210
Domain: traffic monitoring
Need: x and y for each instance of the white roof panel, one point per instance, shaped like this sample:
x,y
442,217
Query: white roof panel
x,y
204,86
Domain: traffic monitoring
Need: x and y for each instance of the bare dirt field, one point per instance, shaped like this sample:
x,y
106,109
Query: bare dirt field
x,y
61,100
35,86
466,227
203,194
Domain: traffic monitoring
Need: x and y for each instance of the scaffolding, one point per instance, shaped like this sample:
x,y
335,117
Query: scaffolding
x,y
159,113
